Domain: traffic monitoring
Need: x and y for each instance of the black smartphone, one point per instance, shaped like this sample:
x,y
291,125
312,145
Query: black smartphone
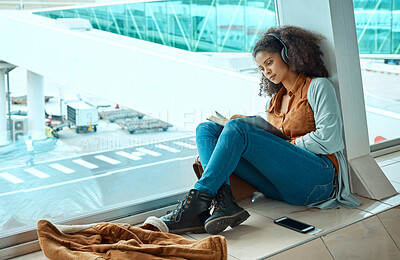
x,y
294,224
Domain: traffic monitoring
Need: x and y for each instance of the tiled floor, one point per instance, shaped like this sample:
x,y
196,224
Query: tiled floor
x,y
370,232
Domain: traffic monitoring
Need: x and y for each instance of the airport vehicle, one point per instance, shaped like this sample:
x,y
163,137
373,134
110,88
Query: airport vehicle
x,y
84,116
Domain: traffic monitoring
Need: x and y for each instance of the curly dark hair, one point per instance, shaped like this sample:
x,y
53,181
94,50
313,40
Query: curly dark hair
x,y
303,53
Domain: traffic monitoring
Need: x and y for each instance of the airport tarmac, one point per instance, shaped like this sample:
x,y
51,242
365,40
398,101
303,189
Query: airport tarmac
x,y
108,136
92,171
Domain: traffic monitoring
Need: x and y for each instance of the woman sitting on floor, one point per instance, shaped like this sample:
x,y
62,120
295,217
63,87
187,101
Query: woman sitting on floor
x,y
310,169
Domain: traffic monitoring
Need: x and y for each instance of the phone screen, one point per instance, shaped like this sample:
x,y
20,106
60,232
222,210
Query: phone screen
x,y
294,224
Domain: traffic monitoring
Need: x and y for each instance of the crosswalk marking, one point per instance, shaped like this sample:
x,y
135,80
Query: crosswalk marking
x,y
169,149
138,154
11,178
85,164
186,145
37,173
107,159
128,155
144,150
193,139
61,168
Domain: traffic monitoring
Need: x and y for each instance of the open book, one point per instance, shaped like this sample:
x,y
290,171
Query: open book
x,y
257,121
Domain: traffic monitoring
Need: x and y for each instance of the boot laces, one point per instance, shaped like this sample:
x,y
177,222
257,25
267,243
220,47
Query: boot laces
x,y
218,201
180,208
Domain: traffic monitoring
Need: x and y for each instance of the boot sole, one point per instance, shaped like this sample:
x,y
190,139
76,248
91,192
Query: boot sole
x,y
195,230
218,225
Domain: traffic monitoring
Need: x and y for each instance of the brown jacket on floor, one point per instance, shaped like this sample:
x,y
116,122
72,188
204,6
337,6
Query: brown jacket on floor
x,y
123,241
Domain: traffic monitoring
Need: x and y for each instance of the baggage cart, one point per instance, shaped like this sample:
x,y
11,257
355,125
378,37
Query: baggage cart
x,y
117,114
23,99
133,126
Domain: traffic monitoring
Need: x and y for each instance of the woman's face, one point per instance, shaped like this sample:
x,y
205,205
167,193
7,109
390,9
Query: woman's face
x,y
272,66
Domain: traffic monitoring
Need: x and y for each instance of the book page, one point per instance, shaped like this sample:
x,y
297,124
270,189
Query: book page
x,y
220,121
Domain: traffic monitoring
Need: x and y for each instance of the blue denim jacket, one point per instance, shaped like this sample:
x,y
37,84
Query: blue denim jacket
x,y
328,139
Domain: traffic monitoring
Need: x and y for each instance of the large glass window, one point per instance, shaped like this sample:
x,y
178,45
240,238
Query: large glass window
x,y
96,156
125,161
378,28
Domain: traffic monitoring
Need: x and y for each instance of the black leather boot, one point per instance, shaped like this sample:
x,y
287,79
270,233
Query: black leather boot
x,y
226,212
190,214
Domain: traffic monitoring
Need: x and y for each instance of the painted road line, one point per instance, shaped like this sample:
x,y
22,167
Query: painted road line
x,y
85,164
61,168
150,142
169,149
96,176
129,156
186,145
11,178
383,112
138,154
37,173
107,159
150,152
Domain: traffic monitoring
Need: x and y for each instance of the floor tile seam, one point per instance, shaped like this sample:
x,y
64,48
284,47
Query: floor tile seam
x,y
327,248
390,207
199,240
249,207
286,248
189,235
396,159
387,231
289,247
389,164
322,233
233,257
383,158
319,235
256,213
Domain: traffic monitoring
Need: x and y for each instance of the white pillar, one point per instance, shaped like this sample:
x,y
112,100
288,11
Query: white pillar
x,y
335,20
3,114
35,99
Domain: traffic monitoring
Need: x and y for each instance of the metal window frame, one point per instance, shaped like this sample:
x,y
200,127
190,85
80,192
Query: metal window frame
x,y
385,147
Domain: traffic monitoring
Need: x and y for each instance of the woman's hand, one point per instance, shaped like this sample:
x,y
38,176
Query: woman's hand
x,y
237,116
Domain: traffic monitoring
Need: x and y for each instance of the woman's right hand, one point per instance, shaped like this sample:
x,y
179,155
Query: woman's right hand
x,y
237,116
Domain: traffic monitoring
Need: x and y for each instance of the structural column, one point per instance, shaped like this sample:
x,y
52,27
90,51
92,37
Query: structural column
x,y
335,20
35,99
3,114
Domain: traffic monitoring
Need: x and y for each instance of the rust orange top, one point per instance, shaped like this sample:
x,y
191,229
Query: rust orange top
x,y
299,118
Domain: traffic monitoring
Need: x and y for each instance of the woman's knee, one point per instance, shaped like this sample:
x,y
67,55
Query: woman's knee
x,y
208,127
235,125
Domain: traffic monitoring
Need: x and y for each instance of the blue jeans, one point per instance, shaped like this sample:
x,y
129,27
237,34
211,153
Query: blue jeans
x,y
277,168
